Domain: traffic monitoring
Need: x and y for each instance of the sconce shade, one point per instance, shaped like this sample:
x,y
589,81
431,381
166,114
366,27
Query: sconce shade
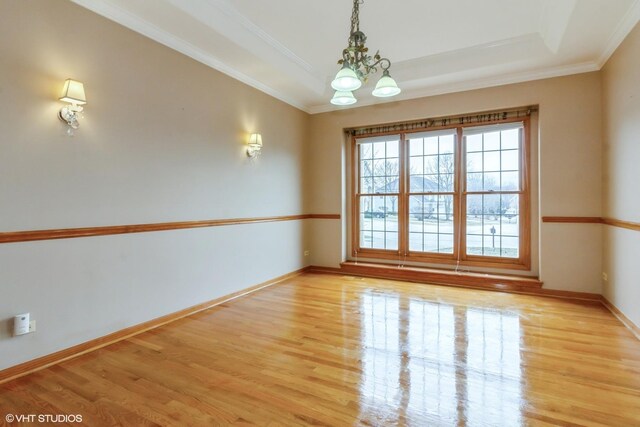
x,y
254,145
73,92
255,140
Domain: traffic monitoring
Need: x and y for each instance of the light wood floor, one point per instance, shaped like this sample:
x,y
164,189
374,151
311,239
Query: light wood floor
x,y
339,351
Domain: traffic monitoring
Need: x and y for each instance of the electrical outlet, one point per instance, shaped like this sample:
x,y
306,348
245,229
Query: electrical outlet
x,y
307,252
605,276
32,326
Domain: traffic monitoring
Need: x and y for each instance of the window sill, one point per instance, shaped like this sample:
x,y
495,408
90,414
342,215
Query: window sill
x,y
470,261
442,277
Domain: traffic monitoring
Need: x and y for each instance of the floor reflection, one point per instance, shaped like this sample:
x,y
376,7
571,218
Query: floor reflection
x,y
427,363
493,368
381,359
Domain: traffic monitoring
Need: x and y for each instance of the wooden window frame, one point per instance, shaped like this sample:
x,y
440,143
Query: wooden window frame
x,y
523,262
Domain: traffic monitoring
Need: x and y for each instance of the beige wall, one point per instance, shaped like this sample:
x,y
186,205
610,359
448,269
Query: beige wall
x,y
621,166
162,140
567,163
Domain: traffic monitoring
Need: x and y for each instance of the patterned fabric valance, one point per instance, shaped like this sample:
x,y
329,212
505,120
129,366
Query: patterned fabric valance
x,y
441,122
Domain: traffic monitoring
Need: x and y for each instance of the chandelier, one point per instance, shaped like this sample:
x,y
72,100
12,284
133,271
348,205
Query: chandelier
x,y
357,65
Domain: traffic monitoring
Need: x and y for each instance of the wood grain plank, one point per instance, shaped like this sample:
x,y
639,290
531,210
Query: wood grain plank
x,y
333,350
86,347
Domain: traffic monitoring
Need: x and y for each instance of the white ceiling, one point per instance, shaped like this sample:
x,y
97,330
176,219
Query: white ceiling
x,y
289,48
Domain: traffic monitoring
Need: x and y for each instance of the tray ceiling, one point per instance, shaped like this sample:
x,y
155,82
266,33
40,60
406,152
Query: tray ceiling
x,y
289,48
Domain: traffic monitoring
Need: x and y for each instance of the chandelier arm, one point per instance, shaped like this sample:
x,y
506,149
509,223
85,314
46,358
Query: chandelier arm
x,y
380,61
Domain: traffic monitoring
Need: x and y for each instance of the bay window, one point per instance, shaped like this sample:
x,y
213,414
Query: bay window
x,y
444,194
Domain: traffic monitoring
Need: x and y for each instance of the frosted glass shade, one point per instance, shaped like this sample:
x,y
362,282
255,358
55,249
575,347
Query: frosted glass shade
x,y
342,97
255,140
386,87
73,92
346,80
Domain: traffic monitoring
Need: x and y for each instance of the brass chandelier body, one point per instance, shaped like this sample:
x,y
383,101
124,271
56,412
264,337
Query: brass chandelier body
x,y
356,55
358,65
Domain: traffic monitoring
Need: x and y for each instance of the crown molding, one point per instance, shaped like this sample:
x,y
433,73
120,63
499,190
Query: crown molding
x,y
223,18
147,29
240,19
623,29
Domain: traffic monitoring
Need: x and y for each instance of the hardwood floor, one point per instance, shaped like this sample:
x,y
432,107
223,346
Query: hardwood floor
x,y
338,350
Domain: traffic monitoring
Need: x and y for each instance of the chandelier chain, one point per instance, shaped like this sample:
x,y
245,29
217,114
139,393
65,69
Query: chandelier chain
x,y
355,18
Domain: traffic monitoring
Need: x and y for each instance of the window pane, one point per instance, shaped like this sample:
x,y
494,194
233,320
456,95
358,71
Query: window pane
x,y
510,181
379,222
446,182
491,181
491,161
510,204
510,160
493,227
416,184
474,143
432,164
446,163
446,144
430,243
415,147
415,242
366,185
491,141
384,167
474,162
474,181
430,183
431,223
365,151
392,149
431,145
416,165
445,243
509,247
379,150
510,139
496,154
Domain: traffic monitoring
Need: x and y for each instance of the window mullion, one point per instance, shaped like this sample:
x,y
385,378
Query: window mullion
x,y
403,199
460,227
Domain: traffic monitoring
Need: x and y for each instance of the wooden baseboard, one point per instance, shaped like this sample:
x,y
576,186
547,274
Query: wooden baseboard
x,y
327,270
519,284
635,330
95,344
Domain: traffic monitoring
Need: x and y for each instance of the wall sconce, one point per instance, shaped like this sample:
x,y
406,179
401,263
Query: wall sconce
x,y
72,93
255,145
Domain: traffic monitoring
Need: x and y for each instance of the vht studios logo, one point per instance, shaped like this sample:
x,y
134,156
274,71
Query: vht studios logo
x,y
43,418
